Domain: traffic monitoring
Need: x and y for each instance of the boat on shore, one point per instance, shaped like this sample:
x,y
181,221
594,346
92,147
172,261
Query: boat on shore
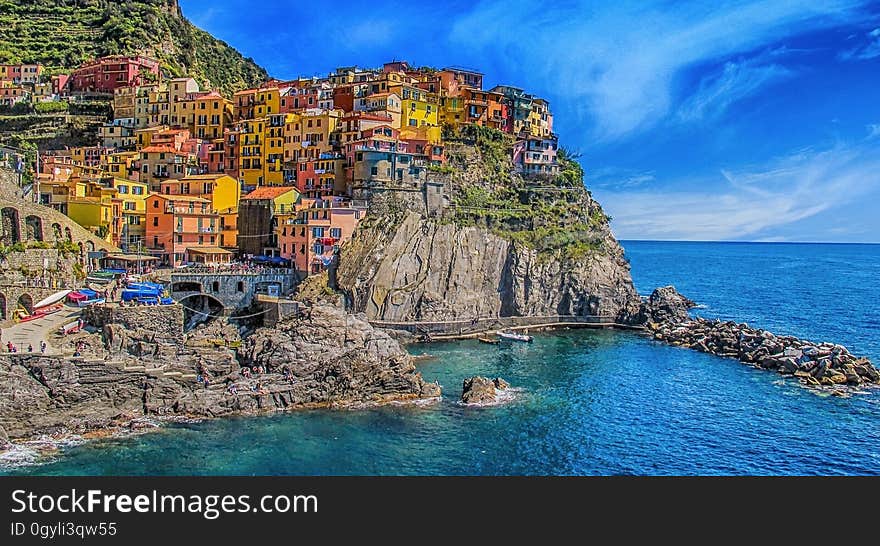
x,y
512,336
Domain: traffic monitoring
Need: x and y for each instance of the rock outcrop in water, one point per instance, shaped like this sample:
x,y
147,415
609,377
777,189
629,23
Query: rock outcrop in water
x,y
482,391
323,358
814,364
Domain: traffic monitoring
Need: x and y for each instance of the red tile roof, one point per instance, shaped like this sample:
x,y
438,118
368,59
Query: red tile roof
x,y
268,192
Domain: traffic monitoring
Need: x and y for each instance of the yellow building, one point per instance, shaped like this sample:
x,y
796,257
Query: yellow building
x,y
267,101
142,108
159,107
208,116
308,134
452,111
94,210
273,150
130,209
419,109
250,151
180,105
122,164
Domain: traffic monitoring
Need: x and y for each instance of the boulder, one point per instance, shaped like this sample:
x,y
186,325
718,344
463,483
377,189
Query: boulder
x,y
665,304
478,390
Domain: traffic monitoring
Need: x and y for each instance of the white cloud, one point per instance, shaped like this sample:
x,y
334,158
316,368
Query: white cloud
x,y
864,52
618,62
873,130
753,202
735,81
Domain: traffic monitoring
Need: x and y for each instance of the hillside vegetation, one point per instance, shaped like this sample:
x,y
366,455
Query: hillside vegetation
x,y
65,33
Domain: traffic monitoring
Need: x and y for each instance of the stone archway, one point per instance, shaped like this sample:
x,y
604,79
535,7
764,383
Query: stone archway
x,y
67,235
26,302
90,246
56,231
33,226
186,286
198,308
2,306
11,232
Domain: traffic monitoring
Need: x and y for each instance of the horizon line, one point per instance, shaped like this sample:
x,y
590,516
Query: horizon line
x,y
748,242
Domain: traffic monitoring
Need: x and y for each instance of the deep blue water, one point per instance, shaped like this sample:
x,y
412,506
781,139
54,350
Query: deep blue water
x,y
592,402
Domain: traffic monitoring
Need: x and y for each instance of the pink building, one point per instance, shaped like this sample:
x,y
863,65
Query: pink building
x,y
108,73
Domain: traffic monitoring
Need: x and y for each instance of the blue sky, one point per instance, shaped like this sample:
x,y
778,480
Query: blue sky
x,y
729,120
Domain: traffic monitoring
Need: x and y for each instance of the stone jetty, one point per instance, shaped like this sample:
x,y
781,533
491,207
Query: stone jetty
x,y
814,364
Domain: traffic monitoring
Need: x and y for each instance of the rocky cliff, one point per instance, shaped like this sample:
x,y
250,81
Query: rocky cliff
x,y
322,358
501,245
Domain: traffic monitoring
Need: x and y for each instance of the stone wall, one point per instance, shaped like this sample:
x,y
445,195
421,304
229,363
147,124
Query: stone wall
x,y
233,290
165,322
15,295
23,220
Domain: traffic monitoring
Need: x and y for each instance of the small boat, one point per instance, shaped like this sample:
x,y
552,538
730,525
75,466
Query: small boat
x,y
51,300
489,340
515,337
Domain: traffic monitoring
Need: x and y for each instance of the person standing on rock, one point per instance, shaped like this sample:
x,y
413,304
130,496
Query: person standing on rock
x,y
42,347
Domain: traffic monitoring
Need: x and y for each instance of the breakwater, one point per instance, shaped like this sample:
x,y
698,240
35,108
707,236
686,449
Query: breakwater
x,y
814,364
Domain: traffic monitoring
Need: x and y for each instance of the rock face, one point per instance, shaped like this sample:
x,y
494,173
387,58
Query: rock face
x,y
665,304
323,358
814,364
331,355
481,391
430,270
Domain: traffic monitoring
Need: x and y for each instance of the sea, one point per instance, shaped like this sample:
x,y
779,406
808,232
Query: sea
x,y
585,402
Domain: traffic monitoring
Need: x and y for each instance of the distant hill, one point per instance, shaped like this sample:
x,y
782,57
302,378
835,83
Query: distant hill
x,y
64,33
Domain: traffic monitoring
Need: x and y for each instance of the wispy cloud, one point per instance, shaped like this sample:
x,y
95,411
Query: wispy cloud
x,y
750,203
617,178
873,130
735,81
618,62
866,51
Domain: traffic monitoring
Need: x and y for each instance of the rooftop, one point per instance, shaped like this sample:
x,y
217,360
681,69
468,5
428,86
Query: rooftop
x,y
269,192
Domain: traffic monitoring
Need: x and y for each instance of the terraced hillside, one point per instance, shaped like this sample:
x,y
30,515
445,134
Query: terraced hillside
x,y
65,33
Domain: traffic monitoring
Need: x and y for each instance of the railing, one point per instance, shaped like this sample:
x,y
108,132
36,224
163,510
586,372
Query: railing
x,y
475,326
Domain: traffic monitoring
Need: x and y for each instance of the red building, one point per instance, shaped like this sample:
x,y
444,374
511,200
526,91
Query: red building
x,y
108,73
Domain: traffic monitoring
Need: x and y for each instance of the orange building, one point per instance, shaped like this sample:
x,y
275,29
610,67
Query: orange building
x,y
179,225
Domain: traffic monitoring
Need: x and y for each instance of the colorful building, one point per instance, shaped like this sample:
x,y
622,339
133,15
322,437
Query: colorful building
x,y
129,212
257,213
177,224
309,237
106,74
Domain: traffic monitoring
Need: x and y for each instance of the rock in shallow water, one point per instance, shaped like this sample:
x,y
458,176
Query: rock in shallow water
x,y
480,390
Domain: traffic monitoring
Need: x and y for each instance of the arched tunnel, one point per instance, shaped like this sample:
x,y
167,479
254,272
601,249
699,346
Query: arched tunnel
x,y
199,308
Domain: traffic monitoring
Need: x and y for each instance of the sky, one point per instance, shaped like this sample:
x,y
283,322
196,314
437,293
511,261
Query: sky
x,y
727,120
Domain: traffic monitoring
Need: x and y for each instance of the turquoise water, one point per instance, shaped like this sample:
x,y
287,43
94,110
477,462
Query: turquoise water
x,y
590,402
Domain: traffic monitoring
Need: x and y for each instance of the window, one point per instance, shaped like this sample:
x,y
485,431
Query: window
x,y
155,242
123,189
137,190
128,205
180,238
215,286
318,232
239,287
374,171
336,232
156,204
